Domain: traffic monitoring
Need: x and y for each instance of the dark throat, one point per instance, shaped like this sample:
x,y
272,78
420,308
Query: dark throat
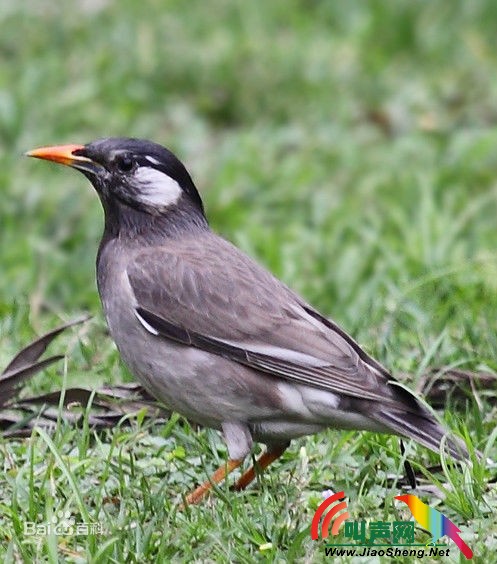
x,y
143,228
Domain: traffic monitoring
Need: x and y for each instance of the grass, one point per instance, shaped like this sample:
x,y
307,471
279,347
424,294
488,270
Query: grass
x,y
351,148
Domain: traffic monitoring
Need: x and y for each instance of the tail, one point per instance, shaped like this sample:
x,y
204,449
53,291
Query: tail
x,y
462,546
414,421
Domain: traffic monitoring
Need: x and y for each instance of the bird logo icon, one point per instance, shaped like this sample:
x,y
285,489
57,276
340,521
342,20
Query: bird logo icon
x,y
437,524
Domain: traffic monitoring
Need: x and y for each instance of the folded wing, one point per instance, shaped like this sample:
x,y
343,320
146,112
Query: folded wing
x,y
211,296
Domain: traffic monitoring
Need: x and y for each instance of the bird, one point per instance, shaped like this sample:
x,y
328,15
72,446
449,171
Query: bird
x,y
213,334
437,524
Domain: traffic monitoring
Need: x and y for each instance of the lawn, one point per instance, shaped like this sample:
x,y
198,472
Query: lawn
x,y
351,147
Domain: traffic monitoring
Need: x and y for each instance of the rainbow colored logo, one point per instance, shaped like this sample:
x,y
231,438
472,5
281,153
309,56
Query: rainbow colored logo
x,y
437,524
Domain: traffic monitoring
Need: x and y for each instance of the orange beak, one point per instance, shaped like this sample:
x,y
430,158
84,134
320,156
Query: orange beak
x,y
62,154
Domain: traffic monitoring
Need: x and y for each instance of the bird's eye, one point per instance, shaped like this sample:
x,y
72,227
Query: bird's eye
x,y
124,163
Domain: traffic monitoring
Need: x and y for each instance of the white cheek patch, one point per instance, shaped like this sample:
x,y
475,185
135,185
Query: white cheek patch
x,y
156,188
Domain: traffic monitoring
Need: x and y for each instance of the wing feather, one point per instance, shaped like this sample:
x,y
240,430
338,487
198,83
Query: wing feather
x,y
213,297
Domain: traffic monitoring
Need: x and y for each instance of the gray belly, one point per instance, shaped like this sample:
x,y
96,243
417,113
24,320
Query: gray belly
x,y
203,387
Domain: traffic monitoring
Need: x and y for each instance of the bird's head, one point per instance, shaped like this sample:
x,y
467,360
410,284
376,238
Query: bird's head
x,y
134,173
405,498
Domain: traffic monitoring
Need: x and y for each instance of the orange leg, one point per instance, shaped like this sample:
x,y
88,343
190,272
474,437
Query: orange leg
x,y
219,475
263,462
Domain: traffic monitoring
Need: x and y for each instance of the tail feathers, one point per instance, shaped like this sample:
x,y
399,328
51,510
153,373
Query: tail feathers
x,y
423,428
462,546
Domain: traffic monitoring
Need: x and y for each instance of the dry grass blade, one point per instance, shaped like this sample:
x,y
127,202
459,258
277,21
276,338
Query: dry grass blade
x,y
437,384
106,402
11,381
34,350
108,406
25,364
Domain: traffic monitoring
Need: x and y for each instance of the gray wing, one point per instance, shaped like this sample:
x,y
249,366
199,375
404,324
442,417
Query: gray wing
x,y
205,293
208,294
